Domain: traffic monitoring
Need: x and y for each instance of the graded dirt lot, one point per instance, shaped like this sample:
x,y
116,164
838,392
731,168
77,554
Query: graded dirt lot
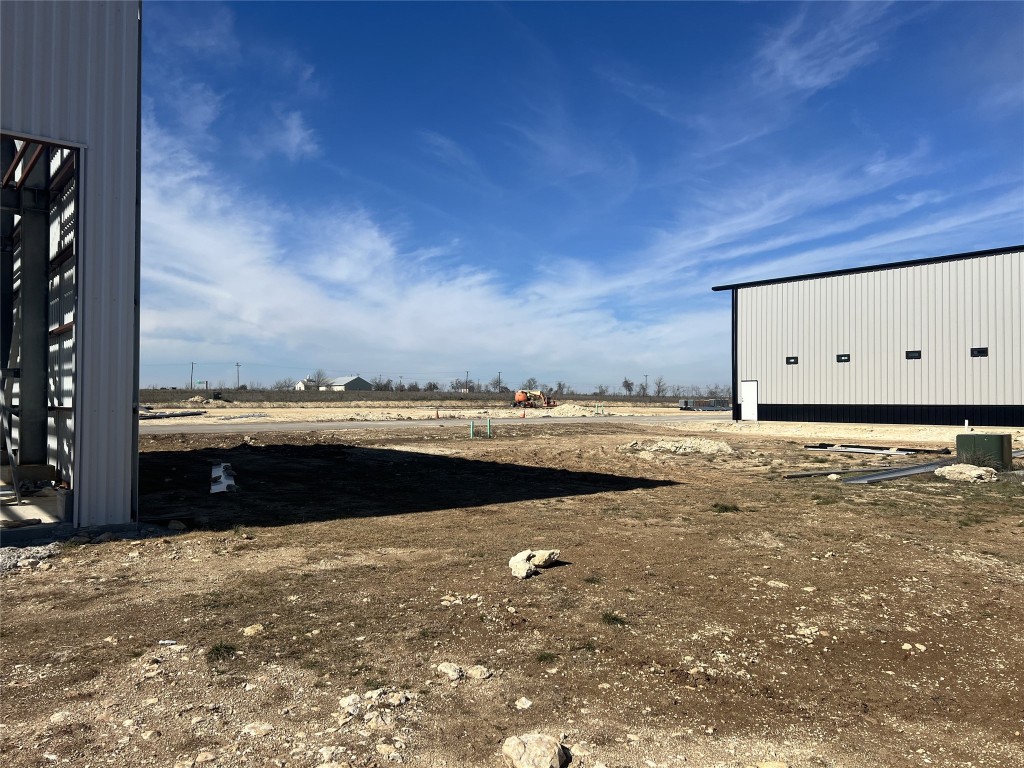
x,y
704,611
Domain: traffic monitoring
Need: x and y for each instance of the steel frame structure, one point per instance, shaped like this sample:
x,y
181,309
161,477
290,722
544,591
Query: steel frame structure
x,y
38,283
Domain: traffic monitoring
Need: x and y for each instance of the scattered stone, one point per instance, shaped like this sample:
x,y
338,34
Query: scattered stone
x,y
809,589
834,476
773,764
176,525
778,584
687,445
252,630
397,699
386,750
451,671
80,538
377,721
28,562
351,704
103,538
478,672
205,757
523,703
258,729
534,750
57,718
967,473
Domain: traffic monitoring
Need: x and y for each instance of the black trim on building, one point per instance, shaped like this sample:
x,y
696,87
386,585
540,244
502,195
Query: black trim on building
x,y
872,268
976,415
735,356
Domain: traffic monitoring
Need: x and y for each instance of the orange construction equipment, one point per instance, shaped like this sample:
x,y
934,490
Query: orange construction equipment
x,y
532,398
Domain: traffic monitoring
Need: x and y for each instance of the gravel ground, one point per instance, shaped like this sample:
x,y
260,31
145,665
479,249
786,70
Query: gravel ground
x,y
11,556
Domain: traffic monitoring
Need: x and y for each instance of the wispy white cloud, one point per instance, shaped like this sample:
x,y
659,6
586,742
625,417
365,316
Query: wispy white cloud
x,y
284,132
811,53
818,47
206,32
456,157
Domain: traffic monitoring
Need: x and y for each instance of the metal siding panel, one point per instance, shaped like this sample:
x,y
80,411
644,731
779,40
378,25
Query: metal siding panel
x,y
69,73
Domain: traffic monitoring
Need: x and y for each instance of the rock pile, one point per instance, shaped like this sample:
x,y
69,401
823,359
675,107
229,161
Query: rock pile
x,y
967,473
569,409
686,445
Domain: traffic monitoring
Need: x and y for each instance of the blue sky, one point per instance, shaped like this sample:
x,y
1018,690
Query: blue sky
x,y
415,190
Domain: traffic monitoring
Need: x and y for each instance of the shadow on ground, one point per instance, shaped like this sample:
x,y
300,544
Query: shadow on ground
x,y
284,484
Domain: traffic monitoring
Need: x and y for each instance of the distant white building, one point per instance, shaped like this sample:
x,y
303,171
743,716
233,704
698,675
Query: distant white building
x,y
348,384
302,386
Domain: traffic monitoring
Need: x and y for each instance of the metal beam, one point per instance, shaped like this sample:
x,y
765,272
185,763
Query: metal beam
x,y
10,166
33,299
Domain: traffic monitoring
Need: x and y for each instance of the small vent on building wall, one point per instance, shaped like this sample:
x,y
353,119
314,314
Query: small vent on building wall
x,y
979,351
792,360
842,358
913,354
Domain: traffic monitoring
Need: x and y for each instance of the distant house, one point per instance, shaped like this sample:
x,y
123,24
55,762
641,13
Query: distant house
x,y
348,384
302,386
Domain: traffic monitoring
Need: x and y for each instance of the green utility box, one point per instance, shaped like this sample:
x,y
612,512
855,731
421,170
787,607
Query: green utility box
x,y
985,450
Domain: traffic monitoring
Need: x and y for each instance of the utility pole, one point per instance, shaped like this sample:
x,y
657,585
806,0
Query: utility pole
x,y
499,382
467,381
647,394
238,375
192,377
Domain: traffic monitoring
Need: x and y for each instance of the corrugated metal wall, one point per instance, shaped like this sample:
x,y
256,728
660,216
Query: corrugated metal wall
x,y
69,73
942,309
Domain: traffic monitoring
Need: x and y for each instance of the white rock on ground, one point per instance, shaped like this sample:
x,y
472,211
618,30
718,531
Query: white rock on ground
x,y
451,671
525,564
967,473
521,566
478,672
522,569
258,729
534,750
350,704
545,558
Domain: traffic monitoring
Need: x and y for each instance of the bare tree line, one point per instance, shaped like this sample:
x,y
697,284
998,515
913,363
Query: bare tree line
x,y
659,388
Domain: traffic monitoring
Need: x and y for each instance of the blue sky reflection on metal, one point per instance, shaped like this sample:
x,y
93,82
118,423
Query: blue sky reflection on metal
x,y
548,189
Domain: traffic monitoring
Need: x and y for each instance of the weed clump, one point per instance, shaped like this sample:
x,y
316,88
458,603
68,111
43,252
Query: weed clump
x,y
721,507
220,652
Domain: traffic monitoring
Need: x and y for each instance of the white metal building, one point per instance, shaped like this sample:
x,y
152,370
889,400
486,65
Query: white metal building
x,y
348,384
929,341
70,76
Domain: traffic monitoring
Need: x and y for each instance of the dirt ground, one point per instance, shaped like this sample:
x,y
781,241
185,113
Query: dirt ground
x,y
705,611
